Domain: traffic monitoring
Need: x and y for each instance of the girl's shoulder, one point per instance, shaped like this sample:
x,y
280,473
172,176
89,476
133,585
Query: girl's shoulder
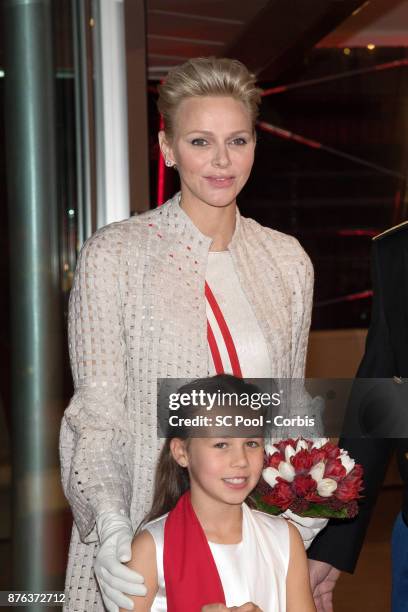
x,y
276,524
156,529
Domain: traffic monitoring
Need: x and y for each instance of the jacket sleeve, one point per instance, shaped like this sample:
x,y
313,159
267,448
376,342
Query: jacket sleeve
x,y
302,315
340,543
96,440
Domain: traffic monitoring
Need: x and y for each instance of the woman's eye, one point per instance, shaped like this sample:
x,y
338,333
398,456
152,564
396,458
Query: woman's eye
x,y
239,141
199,142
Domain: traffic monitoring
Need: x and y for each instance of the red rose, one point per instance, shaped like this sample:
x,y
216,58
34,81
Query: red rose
x,y
318,455
282,444
332,451
313,496
350,487
281,495
274,460
335,470
302,485
302,461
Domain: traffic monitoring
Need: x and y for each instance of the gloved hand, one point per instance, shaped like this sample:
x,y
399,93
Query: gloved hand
x,y
115,535
308,527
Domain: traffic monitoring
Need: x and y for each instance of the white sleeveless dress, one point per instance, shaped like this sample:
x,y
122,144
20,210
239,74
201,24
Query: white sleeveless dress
x,y
253,570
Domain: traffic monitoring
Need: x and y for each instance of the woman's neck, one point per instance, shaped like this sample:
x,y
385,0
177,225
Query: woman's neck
x,y
221,522
215,222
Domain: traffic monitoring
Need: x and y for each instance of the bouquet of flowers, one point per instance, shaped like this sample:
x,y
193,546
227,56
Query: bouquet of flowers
x,y
311,478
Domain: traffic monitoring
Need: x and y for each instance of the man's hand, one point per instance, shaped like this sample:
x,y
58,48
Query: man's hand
x,y
115,535
323,578
246,607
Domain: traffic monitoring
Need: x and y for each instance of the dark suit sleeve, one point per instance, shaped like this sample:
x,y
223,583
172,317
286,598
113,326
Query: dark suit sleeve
x,y
340,543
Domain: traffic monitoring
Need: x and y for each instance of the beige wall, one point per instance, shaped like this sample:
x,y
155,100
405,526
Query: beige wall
x,y
337,354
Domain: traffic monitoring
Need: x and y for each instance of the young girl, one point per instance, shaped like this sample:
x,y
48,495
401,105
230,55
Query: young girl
x,y
203,545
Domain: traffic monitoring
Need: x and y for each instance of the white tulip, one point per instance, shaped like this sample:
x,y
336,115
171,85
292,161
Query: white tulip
x,y
270,449
317,471
287,471
319,442
289,452
270,475
347,462
326,487
301,444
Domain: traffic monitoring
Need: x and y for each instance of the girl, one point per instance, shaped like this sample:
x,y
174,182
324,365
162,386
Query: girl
x,y
199,517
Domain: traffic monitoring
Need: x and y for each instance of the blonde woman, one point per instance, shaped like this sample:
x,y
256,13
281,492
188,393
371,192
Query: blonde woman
x,y
185,290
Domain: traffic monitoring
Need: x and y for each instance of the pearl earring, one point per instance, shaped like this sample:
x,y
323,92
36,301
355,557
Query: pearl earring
x,y
168,163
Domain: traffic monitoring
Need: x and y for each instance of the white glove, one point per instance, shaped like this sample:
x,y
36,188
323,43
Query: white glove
x,y
307,526
115,536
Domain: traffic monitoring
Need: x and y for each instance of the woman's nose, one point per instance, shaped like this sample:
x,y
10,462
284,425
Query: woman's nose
x,y
221,157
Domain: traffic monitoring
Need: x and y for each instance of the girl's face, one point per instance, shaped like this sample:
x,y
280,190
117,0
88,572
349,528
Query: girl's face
x,y
223,469
213,147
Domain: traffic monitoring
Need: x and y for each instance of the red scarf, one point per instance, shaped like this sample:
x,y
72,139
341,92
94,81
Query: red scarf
x,y
190,573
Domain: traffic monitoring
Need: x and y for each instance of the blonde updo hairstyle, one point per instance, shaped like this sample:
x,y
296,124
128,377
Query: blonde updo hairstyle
x,y
207,76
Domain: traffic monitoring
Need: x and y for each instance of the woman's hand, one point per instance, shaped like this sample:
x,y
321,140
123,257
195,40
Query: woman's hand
x,y
116,534
246,607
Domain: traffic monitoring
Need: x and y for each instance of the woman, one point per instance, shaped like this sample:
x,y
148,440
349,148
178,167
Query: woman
x,y
138,313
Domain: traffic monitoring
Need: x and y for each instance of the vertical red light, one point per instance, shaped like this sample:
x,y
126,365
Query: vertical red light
x,y
161,172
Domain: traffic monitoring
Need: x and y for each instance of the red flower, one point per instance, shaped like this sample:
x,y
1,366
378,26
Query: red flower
x,y
274,460
318,455
335,470
313,496
331,450
282,444
303,485
302,461
281,495
301,494
350,487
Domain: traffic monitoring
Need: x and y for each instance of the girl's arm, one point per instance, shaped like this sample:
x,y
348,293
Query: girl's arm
x,y
143,561
298,592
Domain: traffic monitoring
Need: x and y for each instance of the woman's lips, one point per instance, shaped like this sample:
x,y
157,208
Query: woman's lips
x,y
220,182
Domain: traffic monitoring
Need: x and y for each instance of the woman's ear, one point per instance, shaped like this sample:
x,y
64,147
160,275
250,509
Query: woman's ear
x,y
178,450
165,148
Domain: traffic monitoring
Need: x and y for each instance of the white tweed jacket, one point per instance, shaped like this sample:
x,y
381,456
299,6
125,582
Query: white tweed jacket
x,y
137,313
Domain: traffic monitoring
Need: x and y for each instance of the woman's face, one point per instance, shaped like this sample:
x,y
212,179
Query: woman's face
x,y
213,147
223,469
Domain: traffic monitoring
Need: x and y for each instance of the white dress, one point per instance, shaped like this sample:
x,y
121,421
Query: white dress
x,y
253,570
249,340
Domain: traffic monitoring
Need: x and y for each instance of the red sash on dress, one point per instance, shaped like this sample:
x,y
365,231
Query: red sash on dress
x,y
190,574
226,334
